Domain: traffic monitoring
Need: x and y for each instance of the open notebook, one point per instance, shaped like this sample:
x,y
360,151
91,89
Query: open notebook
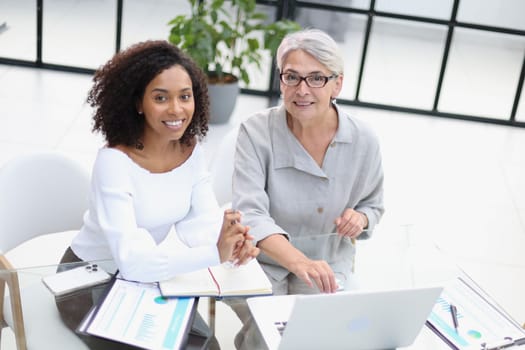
x,y
219,281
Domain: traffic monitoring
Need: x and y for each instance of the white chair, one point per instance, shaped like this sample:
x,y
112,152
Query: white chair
x,y
221,168
41,193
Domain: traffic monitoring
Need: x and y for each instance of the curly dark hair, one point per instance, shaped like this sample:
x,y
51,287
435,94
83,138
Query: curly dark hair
x,y
120,84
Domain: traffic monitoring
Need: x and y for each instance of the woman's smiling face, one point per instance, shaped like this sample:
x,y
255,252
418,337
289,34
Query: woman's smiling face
x,y
302,101
168,104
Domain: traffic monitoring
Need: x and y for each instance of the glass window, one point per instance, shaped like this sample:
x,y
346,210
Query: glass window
x,y
18,32
148,20
403,63
502,13
482,73
347,29
352,48
79,33
520,113
425,8
358,4
260,78
335,23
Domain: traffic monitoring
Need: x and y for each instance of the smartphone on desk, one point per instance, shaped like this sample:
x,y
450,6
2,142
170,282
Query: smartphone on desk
x,y
75,279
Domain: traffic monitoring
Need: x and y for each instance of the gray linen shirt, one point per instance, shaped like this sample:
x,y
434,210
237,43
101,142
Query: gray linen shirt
x,y
280,188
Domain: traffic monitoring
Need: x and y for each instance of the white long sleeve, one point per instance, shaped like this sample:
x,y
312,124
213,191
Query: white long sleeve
x,y
132,212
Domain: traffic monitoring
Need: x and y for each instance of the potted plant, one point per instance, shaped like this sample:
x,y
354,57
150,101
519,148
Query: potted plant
x,y
225,38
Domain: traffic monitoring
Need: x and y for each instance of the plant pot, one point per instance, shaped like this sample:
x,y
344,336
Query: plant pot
x,y
223,96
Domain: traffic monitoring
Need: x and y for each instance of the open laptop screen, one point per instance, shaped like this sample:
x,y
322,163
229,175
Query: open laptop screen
x,y
367,320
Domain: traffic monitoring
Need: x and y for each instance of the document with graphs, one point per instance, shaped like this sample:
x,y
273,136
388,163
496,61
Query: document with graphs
x,y
466,317
136,314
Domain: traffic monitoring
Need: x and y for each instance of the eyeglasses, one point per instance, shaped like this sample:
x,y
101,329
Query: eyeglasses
x,y
313,81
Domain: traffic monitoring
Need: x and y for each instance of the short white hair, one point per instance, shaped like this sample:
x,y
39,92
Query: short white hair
x,y
316,43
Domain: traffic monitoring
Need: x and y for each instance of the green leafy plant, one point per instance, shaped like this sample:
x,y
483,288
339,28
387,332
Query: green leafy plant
x,y
229,38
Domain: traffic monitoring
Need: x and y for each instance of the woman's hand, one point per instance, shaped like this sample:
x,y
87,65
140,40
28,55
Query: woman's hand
x,y
232,235
312,272
316,271
245,251
351,223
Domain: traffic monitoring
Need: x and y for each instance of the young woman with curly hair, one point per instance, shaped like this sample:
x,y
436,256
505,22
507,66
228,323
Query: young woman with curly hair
x,y
150,187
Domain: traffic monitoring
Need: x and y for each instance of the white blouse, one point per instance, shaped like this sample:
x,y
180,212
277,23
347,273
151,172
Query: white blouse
x,y
132,212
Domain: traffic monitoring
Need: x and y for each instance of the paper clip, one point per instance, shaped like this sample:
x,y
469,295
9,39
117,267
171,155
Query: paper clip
x,y
507,342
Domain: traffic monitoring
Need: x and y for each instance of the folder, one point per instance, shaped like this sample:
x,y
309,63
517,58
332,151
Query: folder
x,y
219,281
481,323
135,313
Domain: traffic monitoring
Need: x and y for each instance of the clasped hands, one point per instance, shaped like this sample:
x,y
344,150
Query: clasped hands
x,y
235,244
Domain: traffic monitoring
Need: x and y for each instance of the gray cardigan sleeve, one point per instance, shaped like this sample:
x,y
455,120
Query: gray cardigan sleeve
x,y
252,160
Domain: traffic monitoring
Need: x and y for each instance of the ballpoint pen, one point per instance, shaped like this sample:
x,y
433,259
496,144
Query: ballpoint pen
x,y
454,313
230,264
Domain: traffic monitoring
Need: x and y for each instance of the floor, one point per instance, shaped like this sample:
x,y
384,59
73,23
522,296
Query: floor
x,y
453,185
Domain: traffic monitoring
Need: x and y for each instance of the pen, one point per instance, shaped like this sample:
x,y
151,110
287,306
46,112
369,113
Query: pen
x,y
454,313
230,264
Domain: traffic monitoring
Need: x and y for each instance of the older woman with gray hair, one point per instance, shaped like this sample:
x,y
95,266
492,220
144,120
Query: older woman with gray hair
x,y
308,178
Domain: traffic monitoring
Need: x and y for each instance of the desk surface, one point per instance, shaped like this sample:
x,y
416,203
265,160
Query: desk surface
x,y
413,262
76,305
398,265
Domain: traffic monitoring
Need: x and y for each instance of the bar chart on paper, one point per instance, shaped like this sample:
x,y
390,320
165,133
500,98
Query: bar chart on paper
x,y
137,314
478,320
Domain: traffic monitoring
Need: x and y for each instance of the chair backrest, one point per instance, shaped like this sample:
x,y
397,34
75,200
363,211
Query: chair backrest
x,y
40,193
221,167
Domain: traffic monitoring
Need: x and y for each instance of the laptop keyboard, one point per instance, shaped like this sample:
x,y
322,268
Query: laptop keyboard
x,y
280,326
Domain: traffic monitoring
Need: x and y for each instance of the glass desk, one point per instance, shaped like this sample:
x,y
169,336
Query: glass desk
x,y
40,311
407,258
388,260
399,259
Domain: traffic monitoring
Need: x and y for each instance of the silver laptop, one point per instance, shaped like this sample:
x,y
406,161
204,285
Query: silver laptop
x,y
346,320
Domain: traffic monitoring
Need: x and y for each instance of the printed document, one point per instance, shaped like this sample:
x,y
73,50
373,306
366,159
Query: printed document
x,y
479,320
135,313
